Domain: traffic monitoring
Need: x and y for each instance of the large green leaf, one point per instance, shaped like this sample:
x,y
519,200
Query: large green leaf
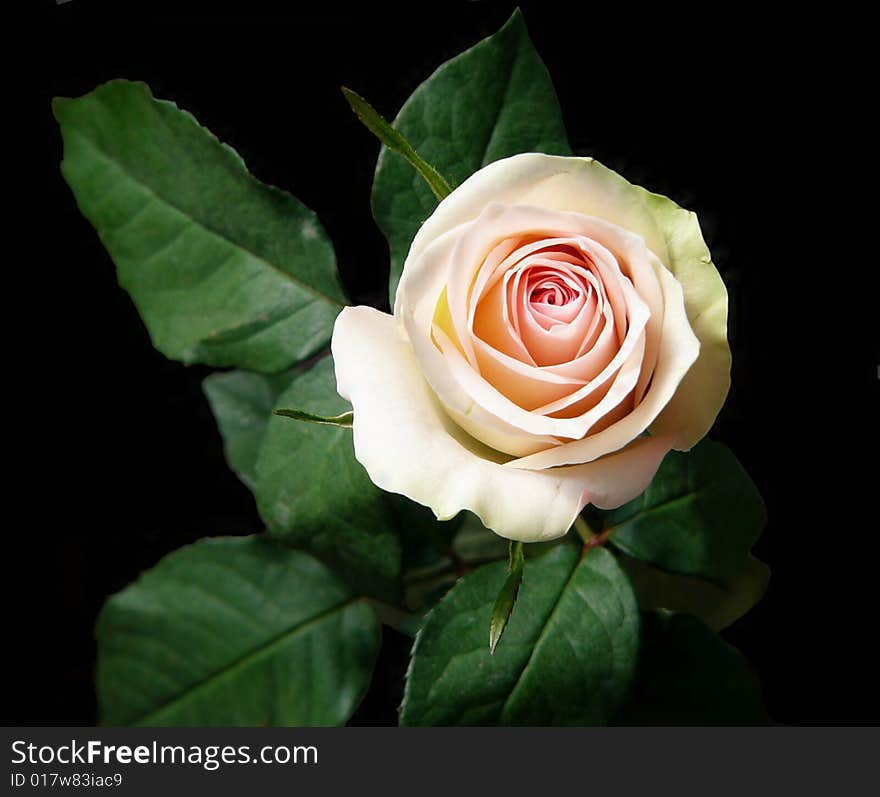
x,y
689,676
567,657
700,516
234,631
242,403
490,102
224,269
313,494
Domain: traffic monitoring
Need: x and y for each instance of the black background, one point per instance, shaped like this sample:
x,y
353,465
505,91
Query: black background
x,y
734,115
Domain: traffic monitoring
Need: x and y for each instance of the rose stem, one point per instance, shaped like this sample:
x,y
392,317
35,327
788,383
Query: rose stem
x,y
591,538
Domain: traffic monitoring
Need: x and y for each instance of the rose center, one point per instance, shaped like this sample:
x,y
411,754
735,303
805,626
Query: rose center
x,y
552,292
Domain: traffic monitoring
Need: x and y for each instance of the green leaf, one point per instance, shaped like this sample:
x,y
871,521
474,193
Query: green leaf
x,y
492,101
234,631
313,494
506,599
689,676
224,270
717,606
343,421
568,656
393,140
242,403
699,517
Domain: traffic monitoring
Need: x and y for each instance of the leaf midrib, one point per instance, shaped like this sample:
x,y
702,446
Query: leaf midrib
x,y
201,224
243,660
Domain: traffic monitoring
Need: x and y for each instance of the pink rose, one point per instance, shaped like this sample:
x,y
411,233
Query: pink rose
x,y
556,332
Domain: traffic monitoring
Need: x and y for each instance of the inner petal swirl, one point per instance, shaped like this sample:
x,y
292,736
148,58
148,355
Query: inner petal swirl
x,y
542,335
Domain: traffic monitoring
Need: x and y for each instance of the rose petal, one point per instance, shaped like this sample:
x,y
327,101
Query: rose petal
x,y
525,385
407,444
425,278
670,232
426,282
693,409
552,333
493,326
581,185
679,349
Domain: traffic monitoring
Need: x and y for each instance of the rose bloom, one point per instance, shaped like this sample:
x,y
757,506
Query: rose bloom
x,y
556,331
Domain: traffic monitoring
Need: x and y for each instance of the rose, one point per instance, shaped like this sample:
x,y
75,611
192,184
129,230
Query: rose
x,y
556,331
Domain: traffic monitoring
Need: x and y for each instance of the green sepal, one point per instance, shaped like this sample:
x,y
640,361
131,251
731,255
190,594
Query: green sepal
x,y
507,596
394,140
344,421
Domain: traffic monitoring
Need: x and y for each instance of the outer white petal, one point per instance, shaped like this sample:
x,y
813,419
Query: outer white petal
x,y
693,409
409,445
